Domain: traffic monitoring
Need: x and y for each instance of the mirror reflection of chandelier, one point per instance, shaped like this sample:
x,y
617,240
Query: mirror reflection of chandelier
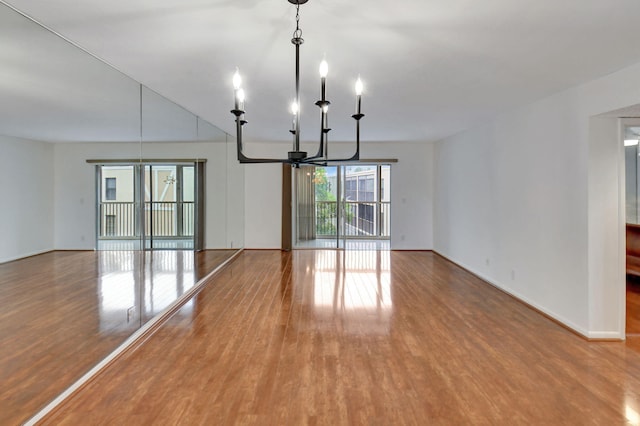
x,y
296,157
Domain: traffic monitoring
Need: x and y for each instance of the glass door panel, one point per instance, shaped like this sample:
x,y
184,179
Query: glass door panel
x,y
341,210
169,200
326,190
361,197
117,215
186,200
316,218
384,213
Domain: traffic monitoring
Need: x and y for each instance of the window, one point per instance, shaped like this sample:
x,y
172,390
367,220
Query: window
x,y
110,189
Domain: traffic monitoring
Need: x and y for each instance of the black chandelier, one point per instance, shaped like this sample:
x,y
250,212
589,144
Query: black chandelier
x,y
296,157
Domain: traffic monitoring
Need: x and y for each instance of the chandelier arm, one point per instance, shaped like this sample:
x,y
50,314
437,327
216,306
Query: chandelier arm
x,y
324,134
328,162
315,163
357,118
356,155
315,157
247,160
326,143
243,159
323,116
323,149
320,152
239,123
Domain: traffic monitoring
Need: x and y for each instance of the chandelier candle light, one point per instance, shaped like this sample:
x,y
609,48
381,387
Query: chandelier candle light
x,y
297,157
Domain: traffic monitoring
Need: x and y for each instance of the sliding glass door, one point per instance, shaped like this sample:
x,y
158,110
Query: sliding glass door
x,y
336,205
150,206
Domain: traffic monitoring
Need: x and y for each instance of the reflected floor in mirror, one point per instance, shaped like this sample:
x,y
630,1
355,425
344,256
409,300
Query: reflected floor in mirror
x,y
360,337
64,311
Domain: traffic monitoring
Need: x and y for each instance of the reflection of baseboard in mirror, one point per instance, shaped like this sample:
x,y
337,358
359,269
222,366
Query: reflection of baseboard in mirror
x,y
61,106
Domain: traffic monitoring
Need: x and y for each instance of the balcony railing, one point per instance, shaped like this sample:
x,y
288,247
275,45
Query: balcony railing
x,y
162,219
117,220
361,219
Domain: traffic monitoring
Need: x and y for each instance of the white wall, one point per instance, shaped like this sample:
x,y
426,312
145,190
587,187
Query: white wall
x,y
263,197
411,192
263,206
412,186
75,187
521,201
26,202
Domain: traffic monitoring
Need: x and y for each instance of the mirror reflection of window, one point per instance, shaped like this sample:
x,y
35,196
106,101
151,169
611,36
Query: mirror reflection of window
x,y
110,189
117,183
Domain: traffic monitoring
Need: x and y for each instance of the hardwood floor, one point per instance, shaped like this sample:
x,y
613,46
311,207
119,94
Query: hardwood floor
x,y
329,337
62,312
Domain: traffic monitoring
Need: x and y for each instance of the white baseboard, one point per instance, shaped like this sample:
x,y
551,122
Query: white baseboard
x,y
608,335
23,255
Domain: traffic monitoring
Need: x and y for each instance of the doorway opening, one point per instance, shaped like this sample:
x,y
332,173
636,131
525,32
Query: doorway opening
x,y
343,207
632,228
149,206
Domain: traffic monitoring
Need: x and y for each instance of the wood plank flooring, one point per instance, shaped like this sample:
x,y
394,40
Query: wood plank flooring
x,y
329,337
62,312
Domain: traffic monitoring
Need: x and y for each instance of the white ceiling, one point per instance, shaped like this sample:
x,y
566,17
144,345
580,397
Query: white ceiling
x,y
431,67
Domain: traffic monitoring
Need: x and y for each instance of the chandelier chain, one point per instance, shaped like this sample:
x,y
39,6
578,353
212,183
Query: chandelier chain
x,y
297,34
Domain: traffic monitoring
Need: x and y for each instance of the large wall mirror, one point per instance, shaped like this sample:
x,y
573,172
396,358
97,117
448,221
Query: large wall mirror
x,y
95,164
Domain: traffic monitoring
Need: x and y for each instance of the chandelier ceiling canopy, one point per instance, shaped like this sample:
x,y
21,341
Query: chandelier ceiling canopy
x,y
296,156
